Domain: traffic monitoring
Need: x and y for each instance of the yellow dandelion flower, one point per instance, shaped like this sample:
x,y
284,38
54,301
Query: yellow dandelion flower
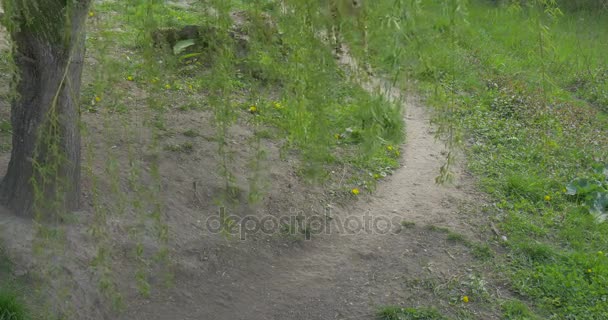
x,y
355,191
91,14
130,78
253,109
589,270
465,299
167,86
547,198
390,148
97,98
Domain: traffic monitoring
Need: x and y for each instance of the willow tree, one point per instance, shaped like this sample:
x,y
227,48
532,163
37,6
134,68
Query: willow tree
x,y
48,53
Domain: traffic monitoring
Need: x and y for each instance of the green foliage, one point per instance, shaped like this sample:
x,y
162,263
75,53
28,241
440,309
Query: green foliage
x,y
592,86
482,251
517,310
574,285
583,5
5,126
397,313
592,192
181,46
11,308
457,237
408,224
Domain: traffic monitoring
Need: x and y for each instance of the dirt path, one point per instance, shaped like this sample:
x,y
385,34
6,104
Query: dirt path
x,y
337,275
340,274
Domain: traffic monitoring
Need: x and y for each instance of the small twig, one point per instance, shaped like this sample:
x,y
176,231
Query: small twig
x,y
494,229
197,226
196,196
449,254
342,178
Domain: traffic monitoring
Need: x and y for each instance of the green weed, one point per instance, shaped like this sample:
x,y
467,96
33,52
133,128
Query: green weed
x,y
408,224
5,126
190,133
456,237
185,147
482,251
11,308
517,310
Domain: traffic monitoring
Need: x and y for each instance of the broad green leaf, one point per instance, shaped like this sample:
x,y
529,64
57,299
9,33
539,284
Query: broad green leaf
x,y
599,207
180,46
583,186
600,201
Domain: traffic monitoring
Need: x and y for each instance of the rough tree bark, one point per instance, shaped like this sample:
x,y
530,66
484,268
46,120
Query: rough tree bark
x,y
48,50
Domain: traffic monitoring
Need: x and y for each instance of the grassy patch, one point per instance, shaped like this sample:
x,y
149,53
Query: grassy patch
x,y
408,224
11,308
482,251
282,80
525,91
185,147
457,238
517,310
11,305
190,133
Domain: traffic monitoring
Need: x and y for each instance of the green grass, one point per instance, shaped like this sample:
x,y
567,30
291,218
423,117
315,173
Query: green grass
x,y
526,94
11,308
482,251
408,224
517,310
185,147
11,305
287,73
457,237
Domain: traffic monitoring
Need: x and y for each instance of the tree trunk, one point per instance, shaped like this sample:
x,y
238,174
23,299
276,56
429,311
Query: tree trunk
x,y
43,175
